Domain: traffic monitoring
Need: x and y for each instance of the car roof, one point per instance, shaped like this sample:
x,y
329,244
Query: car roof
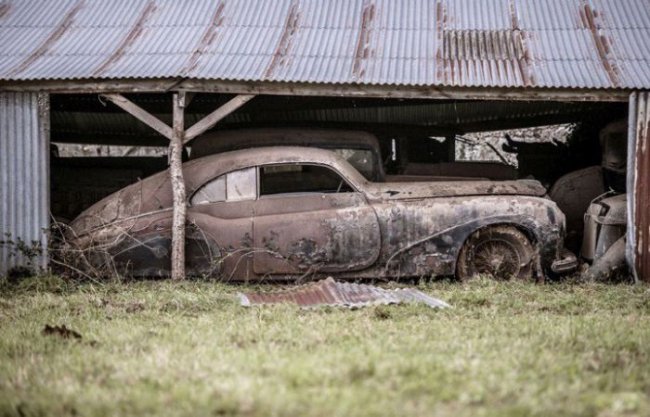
x,y
203,169
229,140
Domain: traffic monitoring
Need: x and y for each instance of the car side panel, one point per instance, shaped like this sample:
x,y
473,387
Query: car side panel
x,y
331,232
228,226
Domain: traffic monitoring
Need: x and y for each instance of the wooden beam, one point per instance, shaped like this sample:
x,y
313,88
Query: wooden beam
x,y
140,114
312,89
213,118
178,188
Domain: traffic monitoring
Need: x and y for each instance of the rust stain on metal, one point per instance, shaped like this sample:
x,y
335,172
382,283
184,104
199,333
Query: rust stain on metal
x,y
57,34
5,8
128,40
481,52
642,188
463,54
363,50
589,18
441,62
523,58
284,46
207,39
329,292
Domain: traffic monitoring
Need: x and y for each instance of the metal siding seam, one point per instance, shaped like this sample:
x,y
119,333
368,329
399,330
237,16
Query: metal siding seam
x,y
6,150
18,177
13,167
44,171
30,191
4,183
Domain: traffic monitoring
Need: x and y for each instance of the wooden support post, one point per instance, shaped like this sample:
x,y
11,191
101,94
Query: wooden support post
x,y
177,138
178,188
140,114
213,118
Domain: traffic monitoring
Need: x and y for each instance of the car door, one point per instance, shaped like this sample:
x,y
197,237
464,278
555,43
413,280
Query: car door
x,y
221,212
308,218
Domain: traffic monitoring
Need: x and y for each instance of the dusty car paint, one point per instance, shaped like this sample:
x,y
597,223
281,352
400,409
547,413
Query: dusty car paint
x,y
378,230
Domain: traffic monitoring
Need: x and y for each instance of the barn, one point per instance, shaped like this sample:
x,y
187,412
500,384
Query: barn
x,y
144,72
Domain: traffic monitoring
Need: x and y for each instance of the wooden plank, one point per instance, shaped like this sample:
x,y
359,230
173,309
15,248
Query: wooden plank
x,y
630,243
213,118
640,193
309,89
140,114
178,188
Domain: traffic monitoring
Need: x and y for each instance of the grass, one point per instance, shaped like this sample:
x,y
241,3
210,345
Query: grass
x,y
164,348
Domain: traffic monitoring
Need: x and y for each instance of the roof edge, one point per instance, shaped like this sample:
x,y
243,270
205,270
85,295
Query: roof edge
x,y
132,85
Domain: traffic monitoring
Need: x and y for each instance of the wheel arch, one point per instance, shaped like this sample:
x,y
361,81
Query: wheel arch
x,y
449,242
518,224
527,232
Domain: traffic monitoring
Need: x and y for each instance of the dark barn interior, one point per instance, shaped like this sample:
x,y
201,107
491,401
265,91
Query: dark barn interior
x,y
404,129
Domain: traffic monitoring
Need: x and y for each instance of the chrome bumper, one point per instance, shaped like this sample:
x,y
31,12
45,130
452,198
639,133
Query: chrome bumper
x,y
567,262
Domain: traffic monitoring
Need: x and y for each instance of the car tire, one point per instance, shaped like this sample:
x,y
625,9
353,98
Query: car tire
x,y
502,252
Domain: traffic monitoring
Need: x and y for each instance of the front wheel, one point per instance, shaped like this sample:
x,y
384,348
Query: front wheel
x,y
503,252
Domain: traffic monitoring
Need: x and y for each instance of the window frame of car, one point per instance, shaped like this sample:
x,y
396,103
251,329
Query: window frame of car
x,y
333,169
258,196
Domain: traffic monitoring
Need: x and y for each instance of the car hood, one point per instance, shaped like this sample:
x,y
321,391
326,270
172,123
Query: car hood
x,y
414,190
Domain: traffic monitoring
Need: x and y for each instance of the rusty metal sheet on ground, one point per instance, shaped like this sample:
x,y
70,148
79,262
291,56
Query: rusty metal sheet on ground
x,y
329,292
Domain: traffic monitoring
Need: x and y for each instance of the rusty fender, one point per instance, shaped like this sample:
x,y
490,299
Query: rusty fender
x,y
439,251
425,238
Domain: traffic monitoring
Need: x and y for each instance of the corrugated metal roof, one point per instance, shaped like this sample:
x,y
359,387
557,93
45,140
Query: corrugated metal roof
x,y
328,292
469,43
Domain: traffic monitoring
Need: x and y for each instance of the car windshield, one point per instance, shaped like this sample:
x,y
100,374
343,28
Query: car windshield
x,y
361,159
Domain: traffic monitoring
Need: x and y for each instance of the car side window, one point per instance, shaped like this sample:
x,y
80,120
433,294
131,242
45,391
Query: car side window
x,y
300,178
234,186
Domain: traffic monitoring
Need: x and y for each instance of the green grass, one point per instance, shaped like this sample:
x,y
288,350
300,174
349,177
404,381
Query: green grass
x,y
505,349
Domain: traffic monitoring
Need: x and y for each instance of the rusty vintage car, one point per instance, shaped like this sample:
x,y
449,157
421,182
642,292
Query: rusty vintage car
x,y
287,212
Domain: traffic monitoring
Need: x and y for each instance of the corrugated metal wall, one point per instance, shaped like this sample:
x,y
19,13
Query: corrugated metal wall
x,y
24,176
638,244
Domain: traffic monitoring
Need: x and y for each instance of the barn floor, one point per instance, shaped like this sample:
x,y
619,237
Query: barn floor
x,y
163,348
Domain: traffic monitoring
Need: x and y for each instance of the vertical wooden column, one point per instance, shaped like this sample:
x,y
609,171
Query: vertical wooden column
x,y
178,137
638,186
178,187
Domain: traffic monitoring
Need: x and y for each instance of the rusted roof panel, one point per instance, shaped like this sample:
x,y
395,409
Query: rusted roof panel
x,y
332,293
468,43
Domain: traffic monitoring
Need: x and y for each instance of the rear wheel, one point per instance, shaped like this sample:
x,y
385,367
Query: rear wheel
x,y
503,252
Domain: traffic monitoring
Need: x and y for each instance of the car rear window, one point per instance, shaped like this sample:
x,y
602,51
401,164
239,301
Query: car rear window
x,y
234,186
